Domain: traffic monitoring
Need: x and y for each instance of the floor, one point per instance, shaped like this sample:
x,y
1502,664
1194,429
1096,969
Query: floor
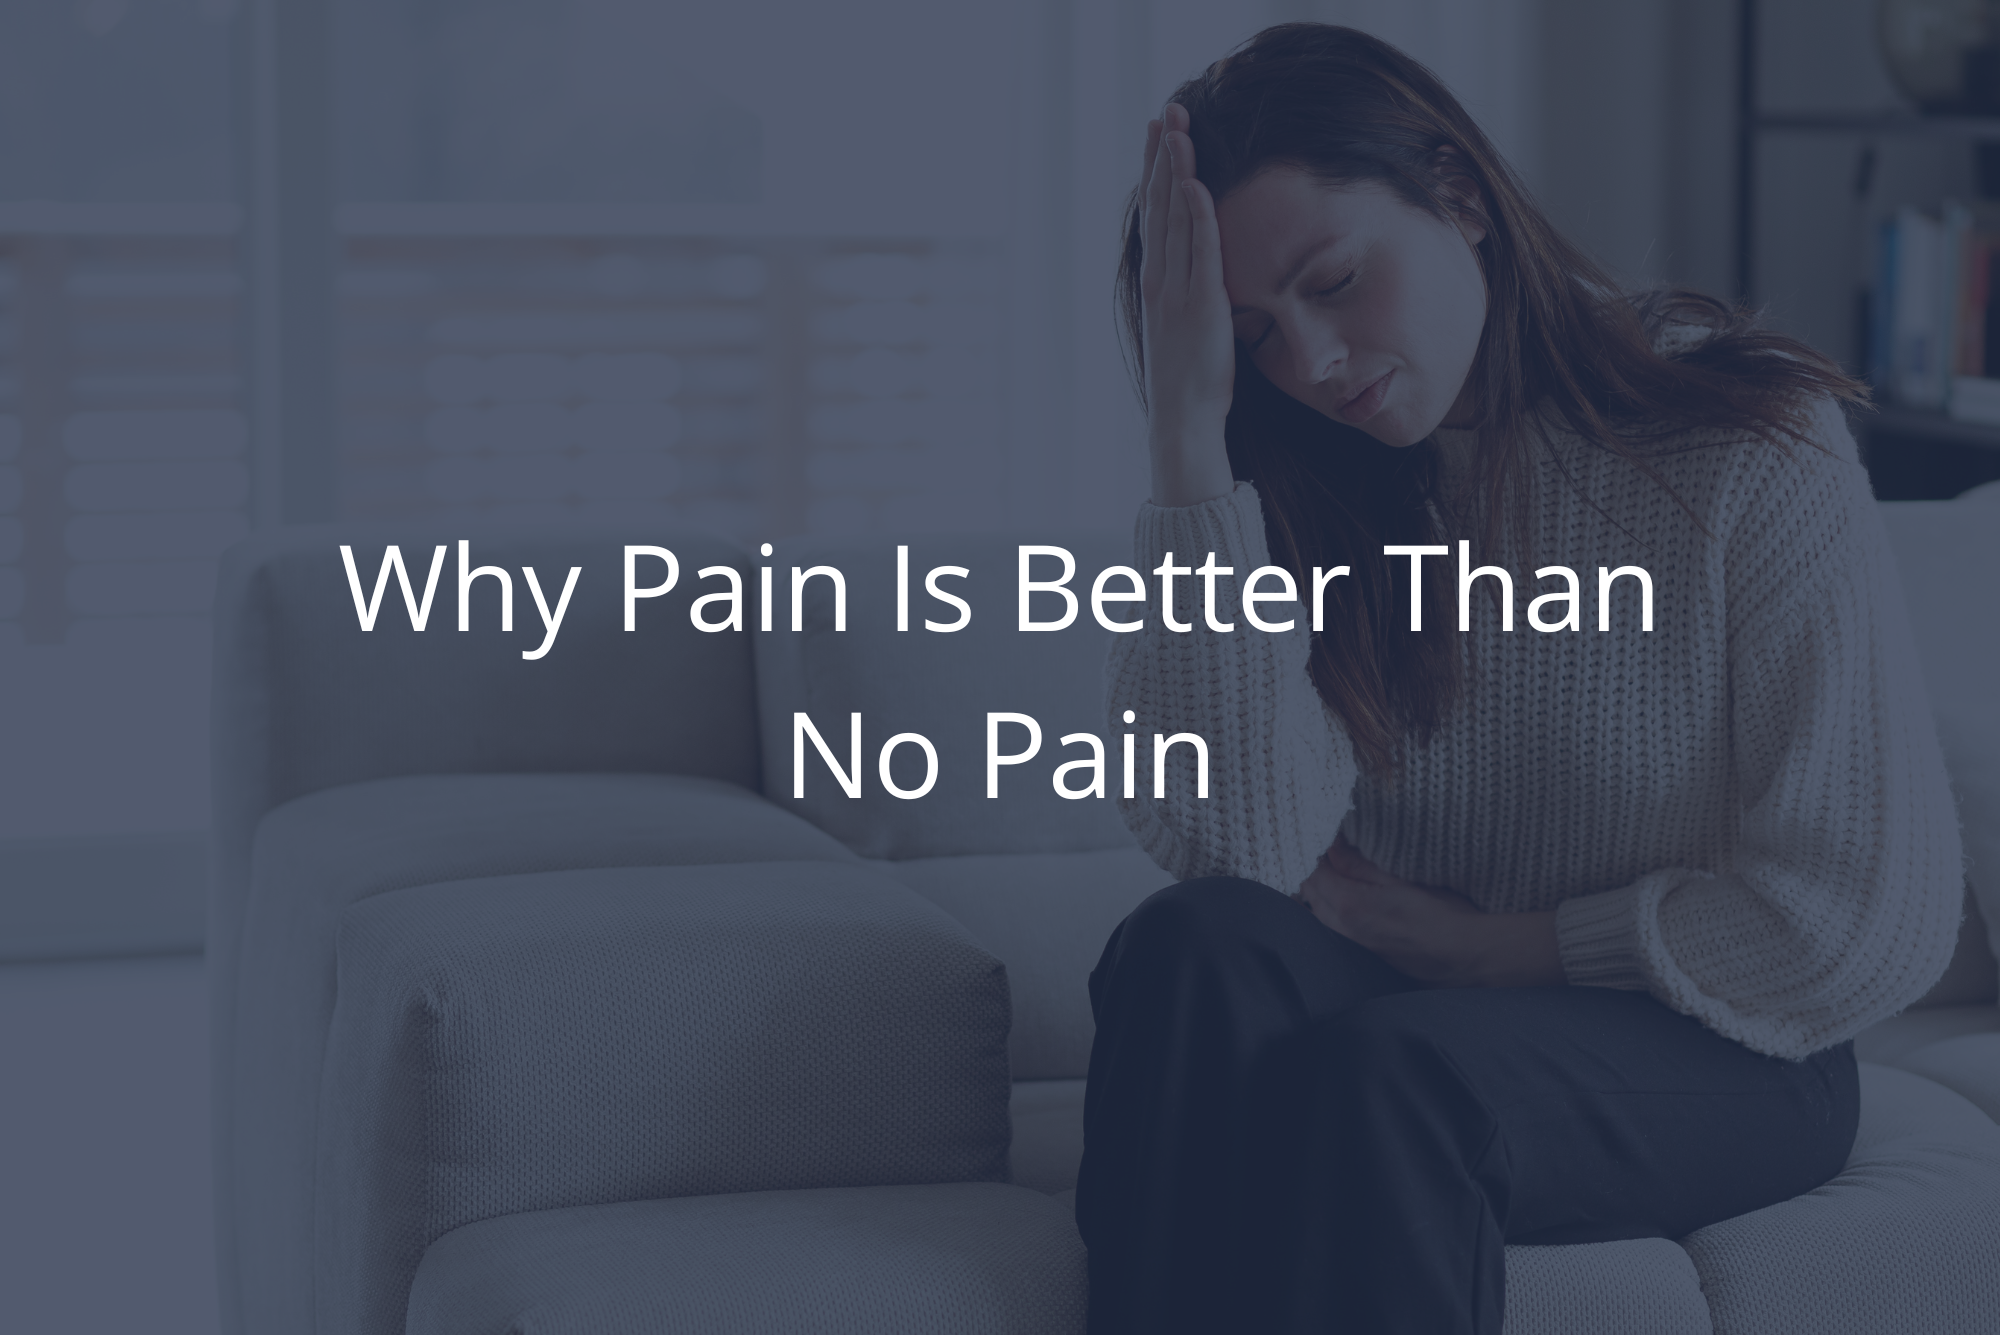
x,y
105,1223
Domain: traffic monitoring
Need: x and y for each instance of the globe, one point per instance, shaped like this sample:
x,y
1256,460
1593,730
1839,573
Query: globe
x,y
1943,53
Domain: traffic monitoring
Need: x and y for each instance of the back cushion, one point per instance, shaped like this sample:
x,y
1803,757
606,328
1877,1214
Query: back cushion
x,y
1940,546
308,700
942,685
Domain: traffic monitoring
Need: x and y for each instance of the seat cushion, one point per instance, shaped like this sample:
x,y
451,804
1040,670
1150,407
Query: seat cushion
x,y
934,1260
964,1259
1889,1042
1968,1065
1047,916
1903,1239
317,855
1645,1286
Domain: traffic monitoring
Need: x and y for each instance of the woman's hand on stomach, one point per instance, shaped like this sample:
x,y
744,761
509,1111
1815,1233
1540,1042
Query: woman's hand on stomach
x,y
1190,348
1431,934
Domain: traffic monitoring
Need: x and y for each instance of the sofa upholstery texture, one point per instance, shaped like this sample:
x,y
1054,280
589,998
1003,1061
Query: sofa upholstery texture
x,y
540,1002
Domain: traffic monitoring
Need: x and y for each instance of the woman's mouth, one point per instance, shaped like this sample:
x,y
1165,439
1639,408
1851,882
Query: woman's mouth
x,y
1368,402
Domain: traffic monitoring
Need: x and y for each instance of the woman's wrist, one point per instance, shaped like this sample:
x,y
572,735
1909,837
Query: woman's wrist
x,y
1519,950
1190,464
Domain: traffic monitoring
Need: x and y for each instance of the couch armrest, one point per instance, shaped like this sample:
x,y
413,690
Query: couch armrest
x,y
304,700
573,1038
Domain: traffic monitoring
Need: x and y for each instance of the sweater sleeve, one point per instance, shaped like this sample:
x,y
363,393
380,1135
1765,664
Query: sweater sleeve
x,y
1281,769
1840,904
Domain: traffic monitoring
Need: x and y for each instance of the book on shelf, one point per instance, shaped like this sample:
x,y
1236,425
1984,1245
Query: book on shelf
x,y
1934,336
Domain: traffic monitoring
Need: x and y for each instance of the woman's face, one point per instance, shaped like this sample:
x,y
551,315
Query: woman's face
x,y
1352,301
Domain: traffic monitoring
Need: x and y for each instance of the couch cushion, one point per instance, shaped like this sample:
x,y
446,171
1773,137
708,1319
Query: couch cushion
x,y
1968,1065
306,700
1903,1239
1971,976
1914,1136
1047,916
1936,544
1889,1042
1970,734
941,685
1645,1286
318,854
584,1037
965,1259
927,1260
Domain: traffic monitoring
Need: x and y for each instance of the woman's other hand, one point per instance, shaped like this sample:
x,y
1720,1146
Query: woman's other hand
x,y
1190,349
1433,935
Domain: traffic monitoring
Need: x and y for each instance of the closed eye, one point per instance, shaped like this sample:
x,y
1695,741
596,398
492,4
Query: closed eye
x,y
1344,280
1331,289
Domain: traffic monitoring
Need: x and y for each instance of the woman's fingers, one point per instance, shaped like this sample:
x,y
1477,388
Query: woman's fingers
x,y
1347,859
1159,183
1190,359
1150,218
1342,855
1179,225
1345,906
1168,163
1205,239
1146,160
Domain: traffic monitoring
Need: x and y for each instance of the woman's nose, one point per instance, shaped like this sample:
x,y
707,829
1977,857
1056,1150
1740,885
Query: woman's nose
x,y
1317,353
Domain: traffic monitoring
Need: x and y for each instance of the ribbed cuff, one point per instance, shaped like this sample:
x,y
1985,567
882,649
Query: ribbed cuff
x,y
1598,939
1230,525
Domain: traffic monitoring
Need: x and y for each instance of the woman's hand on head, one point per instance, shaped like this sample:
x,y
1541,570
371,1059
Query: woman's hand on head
x,y
1190,348
1433,935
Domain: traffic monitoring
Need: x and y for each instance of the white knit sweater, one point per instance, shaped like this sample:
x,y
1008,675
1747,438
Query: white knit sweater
x,y
1744,812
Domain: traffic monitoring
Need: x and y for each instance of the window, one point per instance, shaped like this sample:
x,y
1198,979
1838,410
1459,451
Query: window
x,y
750,386
126,452
123,449
591,265
761,268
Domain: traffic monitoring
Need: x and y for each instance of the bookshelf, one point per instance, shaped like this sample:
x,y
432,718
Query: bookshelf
x,y
1910,454
1898,123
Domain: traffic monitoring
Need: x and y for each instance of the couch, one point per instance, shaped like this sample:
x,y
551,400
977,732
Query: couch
x,y
541,1004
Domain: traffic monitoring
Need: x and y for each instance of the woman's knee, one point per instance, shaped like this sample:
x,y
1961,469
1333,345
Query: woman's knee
x,y
1204,913
1396,1048
1189,924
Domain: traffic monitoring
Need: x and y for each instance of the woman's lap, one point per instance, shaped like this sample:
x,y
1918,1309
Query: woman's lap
x,y
1257,1075
1619,1118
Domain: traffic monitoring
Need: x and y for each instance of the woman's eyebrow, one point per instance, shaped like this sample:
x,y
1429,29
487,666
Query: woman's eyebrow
x,y
1306,257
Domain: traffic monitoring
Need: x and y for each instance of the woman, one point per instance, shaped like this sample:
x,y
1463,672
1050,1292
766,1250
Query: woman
x,y
1487,933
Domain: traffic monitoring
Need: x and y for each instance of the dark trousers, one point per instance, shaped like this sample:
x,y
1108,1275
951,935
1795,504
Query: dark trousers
x,y
1282,1133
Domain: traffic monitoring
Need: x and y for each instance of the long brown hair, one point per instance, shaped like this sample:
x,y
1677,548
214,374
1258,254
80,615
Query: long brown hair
x,y
1559,339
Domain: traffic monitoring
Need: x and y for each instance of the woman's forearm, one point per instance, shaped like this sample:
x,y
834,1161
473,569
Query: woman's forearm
x,y
1190,464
